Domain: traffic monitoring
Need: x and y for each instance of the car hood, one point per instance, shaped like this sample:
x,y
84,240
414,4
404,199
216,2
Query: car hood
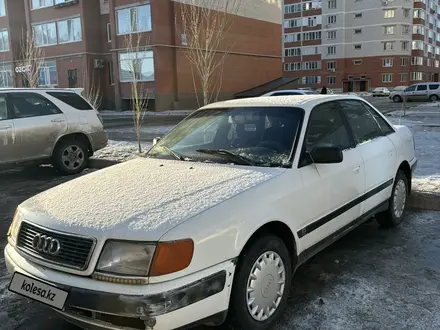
x,y
141,199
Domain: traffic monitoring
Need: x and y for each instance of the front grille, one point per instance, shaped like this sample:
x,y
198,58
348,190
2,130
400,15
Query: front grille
x,y
74,252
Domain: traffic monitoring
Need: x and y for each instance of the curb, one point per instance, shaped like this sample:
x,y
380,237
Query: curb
x,y
419,200
422,200
97,163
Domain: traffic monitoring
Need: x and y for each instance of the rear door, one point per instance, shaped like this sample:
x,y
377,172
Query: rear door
x,y
38,124
377,151
7,153
434,90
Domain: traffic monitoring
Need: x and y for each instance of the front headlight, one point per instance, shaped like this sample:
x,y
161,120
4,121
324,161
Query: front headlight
x,y
15,227
126,258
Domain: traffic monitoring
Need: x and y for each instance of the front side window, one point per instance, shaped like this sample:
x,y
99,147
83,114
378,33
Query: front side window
x,y
410,89
72,99
255,136
3,108
47,74
46,34
326,128
136,66
69,30
135,19
25,105
362,122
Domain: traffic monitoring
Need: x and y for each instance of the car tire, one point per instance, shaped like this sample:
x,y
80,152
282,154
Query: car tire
x,y
268,257
71,156
395,213
433,98
397,99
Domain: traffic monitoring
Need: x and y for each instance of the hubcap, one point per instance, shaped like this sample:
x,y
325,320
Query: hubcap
x,y
72,157
399,198
265,286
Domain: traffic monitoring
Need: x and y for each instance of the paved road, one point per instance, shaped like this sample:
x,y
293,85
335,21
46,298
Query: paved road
x,y
372,279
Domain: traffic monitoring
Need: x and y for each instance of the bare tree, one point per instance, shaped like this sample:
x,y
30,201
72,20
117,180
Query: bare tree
x,y
92,87
131,66
204,24
32,57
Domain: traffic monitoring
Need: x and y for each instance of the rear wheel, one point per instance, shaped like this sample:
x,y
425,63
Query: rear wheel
x,y
71,156
261,285
397,205
433,98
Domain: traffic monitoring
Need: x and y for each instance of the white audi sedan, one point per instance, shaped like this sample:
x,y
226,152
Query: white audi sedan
x,y
211,225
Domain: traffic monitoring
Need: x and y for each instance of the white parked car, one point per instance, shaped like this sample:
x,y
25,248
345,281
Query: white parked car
x,y
381,91
211,225
286,92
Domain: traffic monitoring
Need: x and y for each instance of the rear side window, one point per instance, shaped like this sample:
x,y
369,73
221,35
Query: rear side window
x,y
385,127
422,88
433,86
72,99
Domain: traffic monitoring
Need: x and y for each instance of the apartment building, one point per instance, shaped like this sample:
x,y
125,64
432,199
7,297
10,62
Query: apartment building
x,y
357,45
84,45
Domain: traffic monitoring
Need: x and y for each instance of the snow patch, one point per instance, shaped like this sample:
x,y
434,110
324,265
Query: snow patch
x,y
429,105
121,150
143,194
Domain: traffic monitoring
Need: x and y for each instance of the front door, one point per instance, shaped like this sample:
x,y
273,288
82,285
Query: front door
x,y
6,133
421,93
378,152
38,125
410,93
329,188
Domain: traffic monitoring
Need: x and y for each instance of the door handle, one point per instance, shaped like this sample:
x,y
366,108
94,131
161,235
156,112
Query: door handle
x,y
57,120
357,168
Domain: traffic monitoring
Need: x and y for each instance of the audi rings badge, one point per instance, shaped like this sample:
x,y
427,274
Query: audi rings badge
x,y
46,244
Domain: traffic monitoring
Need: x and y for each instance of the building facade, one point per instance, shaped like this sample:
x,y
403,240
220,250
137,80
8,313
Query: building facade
x,y
357,45
85,45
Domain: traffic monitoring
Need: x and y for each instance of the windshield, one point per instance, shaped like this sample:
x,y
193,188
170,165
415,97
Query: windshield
x,y
256,136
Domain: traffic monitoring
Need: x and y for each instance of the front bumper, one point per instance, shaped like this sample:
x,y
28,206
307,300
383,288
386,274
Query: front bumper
x,y
165,306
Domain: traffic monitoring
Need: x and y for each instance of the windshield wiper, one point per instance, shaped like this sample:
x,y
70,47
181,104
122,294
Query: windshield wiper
x,y
236,159
172,153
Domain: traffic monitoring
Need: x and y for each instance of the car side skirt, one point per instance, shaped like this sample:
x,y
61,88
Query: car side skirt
x,y
321,245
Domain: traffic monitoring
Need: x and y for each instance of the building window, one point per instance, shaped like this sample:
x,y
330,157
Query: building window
x,y
292,23
331,19
312,65
387,62
357,62
2,8
291,9
389,29
331,35
357,47
312,21
290,52
359,15
4,40
416,60
135,19
417,45
387,77
111,73
388,45
357,31
331,50
37,4
406,12
405,45
403,61
292,66
137,66
389,13
419,13
437,63
46,34
403,77
418,29
72,77
331,80
69,30
331,4
311,80
331,66
6,75
416,76
47,74
405,29
312,50
109,32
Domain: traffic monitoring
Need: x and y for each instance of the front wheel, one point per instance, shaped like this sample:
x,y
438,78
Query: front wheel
x,y
261,285
397,99
397,204
71,156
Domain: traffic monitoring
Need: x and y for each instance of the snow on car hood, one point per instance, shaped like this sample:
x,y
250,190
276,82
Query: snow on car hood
x,y
140,199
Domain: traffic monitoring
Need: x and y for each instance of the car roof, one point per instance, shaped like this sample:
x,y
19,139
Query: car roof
x,y
5,89
307,102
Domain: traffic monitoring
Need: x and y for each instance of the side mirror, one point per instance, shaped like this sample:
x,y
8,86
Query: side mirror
x,y
326,155
156,141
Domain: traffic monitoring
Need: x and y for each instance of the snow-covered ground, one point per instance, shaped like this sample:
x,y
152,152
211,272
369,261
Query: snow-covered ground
x,y
110,113
121,150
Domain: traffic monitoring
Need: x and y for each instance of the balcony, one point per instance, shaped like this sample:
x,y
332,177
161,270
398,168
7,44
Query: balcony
x,y
66,3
